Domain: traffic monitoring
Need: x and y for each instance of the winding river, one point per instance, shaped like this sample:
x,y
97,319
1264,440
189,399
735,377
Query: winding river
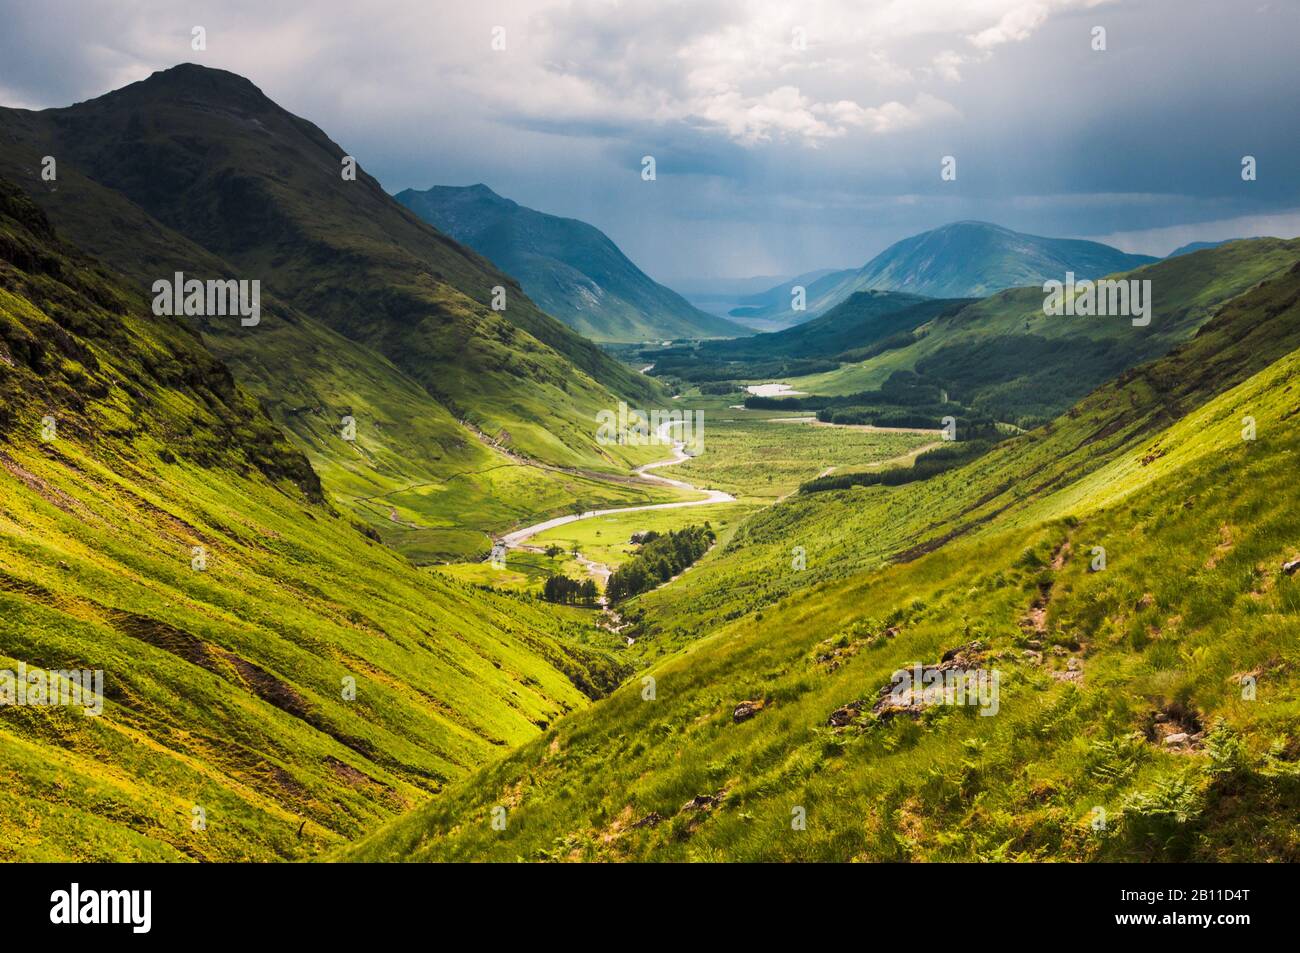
x,y
517,538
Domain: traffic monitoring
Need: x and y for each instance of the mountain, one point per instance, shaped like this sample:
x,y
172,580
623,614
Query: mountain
x,y
962,260
1127,684
570,268
864,319
1198,246
720,296
159,528
771,309
1005,357
974,259
367,311
731,289
206,154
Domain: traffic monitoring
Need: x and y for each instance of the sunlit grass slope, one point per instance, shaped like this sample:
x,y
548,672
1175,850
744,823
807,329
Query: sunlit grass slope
x,y
1191,611
225,685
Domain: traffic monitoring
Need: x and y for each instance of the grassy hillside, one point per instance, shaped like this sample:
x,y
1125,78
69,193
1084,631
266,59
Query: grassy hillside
x,y
1003,356
774,716
416,474
224,684
869,322
205,154
852,530
571,269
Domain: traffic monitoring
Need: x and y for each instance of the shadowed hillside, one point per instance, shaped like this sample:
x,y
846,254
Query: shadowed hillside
x,y
207,155
568,267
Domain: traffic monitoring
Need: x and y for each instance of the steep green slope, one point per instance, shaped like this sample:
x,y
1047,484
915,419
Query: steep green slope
x,y
205,153
224,679
571,269
1147,708
1004,356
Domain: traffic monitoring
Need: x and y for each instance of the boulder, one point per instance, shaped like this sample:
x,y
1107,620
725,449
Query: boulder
x,y
843,716
701,802
747,710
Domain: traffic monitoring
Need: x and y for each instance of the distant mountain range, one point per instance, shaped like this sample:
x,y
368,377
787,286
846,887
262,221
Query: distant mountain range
x,y
571,269
961,260
769,310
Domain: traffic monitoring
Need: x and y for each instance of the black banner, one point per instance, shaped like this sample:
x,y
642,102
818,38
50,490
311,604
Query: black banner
x,y
332,902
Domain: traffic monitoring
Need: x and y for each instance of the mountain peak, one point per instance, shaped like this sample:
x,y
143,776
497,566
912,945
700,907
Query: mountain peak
x,y
973,259
969,227
197,83
572,269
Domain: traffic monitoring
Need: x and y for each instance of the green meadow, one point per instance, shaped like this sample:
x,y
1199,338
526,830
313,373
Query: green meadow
x,y
766,458
606,539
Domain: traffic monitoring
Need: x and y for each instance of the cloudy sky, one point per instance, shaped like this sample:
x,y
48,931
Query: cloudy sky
x,y
787,136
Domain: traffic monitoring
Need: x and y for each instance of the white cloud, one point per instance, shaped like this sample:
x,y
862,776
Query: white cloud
x,y
757,71
948,65
1015,25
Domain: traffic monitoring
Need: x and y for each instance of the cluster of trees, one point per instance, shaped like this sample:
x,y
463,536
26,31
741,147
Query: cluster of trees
x,y
812,402
721,389
969,427
1024,378
905,399
660,557
570,592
